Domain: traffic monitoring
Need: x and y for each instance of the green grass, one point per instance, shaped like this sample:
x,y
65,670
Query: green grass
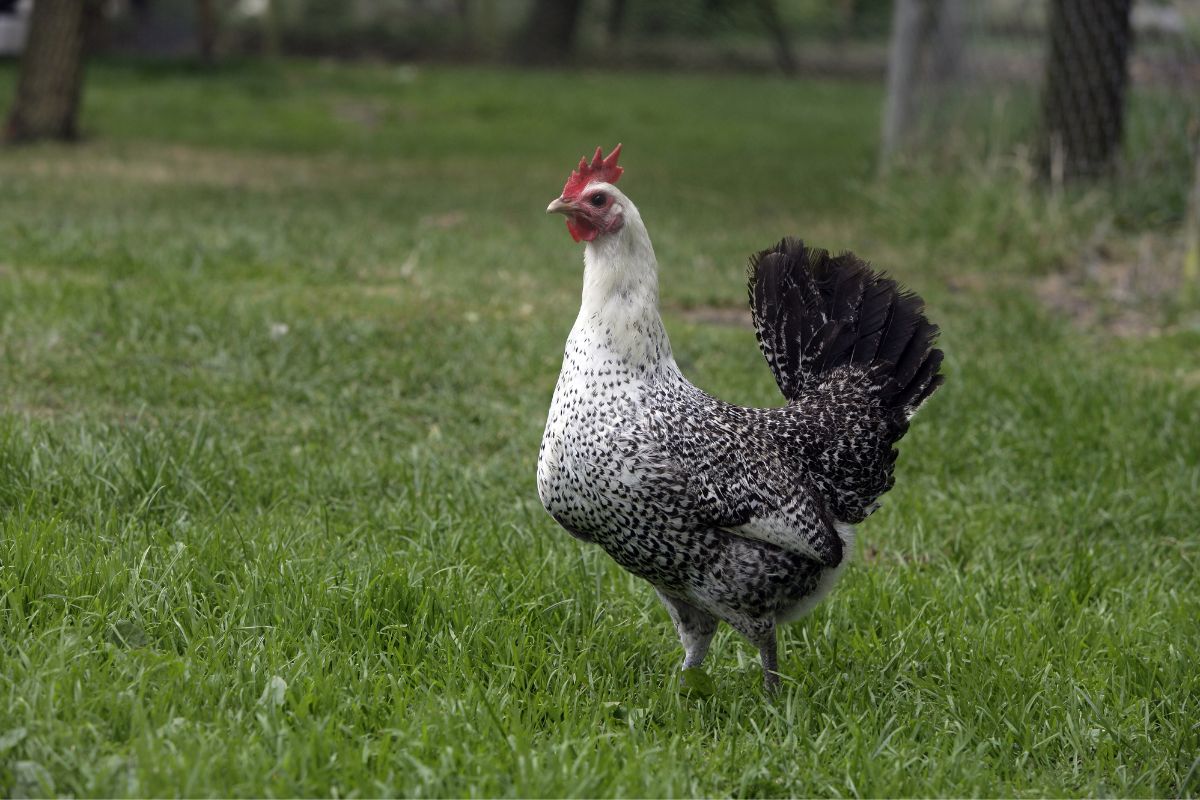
x,y
275,351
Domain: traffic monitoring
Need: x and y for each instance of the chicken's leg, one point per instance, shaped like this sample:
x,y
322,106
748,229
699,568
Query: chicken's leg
x,y
695,629
761,634
770,661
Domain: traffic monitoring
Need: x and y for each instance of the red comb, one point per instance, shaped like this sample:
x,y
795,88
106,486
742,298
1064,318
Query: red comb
x,y
601,169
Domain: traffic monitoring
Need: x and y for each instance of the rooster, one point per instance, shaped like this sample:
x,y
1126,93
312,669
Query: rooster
x,y
739,514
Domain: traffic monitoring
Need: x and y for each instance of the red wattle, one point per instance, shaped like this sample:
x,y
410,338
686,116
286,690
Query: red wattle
x,y
581,231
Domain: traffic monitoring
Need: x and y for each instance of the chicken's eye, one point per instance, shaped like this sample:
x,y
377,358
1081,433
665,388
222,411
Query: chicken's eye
x,y
597,200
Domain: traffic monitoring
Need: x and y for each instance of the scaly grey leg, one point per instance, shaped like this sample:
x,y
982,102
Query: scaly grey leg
x,y
761,633
695,629
767,649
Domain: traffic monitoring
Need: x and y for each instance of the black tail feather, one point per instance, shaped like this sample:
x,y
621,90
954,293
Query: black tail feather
x,y
814,313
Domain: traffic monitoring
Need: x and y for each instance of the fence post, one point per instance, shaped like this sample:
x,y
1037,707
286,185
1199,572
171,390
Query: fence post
x,y
1083,98
907,24
1191,225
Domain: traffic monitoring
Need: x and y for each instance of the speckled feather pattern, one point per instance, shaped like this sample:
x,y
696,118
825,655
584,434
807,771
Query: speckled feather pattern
x,y
738,514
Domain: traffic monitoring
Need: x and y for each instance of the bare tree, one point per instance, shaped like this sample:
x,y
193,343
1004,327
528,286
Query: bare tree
x,y
207,28
947,34
549,32
1083,100
769,17
768,14
1191,229
50,83
903,61
926,52
615,24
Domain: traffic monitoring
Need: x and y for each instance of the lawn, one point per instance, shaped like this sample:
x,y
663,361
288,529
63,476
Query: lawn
x,y
276,346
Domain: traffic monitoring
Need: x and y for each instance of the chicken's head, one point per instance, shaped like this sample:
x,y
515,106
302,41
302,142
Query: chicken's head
x,y
589,201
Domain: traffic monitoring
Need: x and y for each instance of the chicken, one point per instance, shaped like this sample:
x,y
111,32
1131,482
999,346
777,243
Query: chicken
x,y
739,514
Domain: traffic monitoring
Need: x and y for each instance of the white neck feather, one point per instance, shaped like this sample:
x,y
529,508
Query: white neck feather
x,y
620,294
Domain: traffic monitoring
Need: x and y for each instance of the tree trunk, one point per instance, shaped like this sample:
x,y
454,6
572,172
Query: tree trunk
x,y
845,15
206,30
549,34
1191,231
903,62
768,12
51,79
1083,100
616,19
468,37
272,47
948,39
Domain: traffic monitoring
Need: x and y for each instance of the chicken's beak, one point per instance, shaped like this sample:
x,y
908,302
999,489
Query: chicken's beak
x,y
558,206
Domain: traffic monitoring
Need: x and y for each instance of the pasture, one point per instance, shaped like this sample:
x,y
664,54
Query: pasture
x,y
276,346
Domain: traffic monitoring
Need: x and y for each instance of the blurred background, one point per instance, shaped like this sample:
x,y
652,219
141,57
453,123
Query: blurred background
x,y
281,315
1075,89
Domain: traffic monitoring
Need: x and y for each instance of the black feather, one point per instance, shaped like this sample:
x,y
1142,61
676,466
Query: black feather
x,y
906,315
874,318
814,313
915,352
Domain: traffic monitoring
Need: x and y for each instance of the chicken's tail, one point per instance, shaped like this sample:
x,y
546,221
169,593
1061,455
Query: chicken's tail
x,y
815,313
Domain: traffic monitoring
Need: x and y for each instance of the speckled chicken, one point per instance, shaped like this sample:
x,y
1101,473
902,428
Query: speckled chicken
x,y
738,514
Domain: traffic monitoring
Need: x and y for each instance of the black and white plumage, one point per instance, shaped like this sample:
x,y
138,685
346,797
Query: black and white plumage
x,y
738,514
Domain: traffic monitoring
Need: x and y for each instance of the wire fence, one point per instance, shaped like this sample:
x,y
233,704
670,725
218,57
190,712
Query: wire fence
x,y
1077,88
1080,88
